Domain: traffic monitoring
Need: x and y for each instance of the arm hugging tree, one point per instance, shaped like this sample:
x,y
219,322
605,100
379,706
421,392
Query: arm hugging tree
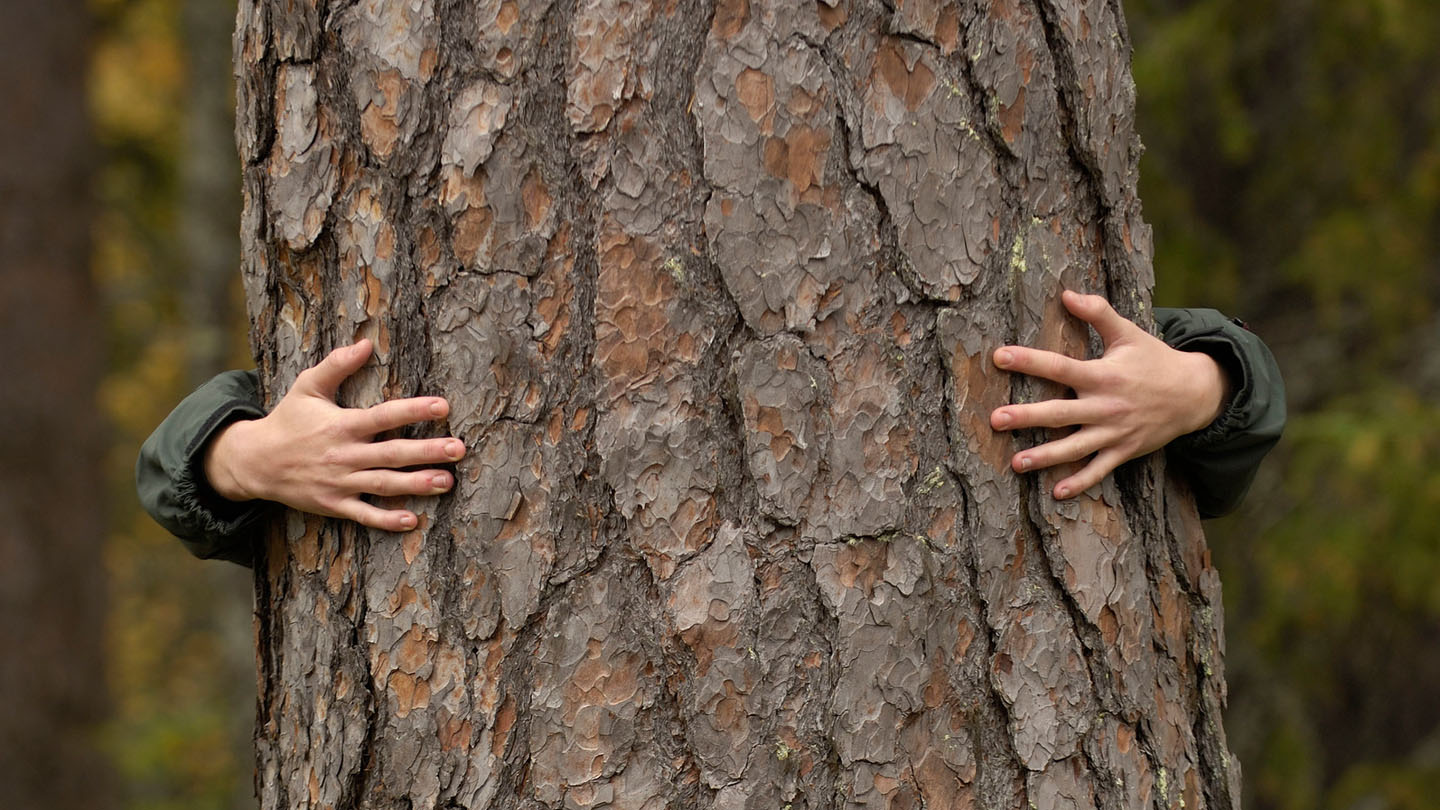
x,y
712,293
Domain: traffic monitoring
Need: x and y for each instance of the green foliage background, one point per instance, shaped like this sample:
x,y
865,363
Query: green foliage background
x,y
1293,179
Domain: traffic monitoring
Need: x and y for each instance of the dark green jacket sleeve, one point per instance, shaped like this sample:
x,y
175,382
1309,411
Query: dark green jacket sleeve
x,y
1220,460
170,479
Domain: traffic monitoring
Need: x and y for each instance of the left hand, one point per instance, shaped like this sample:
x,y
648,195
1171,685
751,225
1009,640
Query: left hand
x,y
1136,398
315,456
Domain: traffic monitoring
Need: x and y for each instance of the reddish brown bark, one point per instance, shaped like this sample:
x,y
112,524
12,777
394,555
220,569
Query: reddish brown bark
x,y
712,291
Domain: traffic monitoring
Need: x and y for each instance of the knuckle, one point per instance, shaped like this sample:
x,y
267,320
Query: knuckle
x,y
372,420
334,429
1059,414
1114,408
1079,449
332,457
387,455
1029,416
1062,369
397,413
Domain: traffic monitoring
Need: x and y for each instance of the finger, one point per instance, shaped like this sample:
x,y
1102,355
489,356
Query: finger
x,y
1091,474
1037,363
1097,312
389,482
1053,413
324,378
398,413
1074,447
396,453
367,514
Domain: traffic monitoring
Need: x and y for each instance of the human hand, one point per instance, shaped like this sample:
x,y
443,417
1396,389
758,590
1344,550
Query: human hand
x,y
313,455
1135,399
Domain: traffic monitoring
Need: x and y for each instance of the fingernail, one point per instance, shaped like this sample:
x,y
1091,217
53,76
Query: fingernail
x,y
1003,359
454,449
1002,419
1062,492
1025,463
440,482
437,408
407,521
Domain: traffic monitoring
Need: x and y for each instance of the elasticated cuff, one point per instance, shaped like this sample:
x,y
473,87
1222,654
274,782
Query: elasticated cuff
x,y
169,474
212,514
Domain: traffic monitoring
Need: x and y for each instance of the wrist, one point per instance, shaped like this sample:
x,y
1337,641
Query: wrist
x,y
223,462
1211,392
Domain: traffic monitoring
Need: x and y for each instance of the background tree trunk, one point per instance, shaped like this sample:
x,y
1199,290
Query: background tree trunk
x,y
712,292
52,582
208,184
210,248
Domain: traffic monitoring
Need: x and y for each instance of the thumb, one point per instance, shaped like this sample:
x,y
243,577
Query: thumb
x,y
1096,311
324,378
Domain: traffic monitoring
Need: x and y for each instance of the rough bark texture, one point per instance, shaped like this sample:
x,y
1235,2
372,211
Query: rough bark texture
x,y
712,291
52,594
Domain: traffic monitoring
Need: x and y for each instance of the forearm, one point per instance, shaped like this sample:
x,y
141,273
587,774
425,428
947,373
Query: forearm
x,y
222,462
170,479
1221,458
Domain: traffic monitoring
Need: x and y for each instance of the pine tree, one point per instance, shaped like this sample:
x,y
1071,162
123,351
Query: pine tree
x,y
712,292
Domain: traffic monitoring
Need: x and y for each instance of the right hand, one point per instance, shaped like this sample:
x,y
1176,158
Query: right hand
x,y
315,456
1133,400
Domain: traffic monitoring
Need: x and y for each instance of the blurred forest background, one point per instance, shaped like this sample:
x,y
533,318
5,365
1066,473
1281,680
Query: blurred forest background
x,y
1293,179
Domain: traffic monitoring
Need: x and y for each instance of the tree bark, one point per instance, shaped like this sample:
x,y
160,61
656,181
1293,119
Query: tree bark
x,y
712,291
52,529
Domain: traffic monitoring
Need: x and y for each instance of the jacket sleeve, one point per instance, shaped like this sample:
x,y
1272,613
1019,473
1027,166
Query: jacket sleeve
x,y
1220,459
170,479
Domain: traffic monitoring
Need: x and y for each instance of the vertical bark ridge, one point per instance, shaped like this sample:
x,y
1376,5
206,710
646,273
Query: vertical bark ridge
x,y
1100,128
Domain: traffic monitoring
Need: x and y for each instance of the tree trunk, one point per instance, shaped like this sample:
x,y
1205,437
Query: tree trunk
x,y
52,529
712,292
